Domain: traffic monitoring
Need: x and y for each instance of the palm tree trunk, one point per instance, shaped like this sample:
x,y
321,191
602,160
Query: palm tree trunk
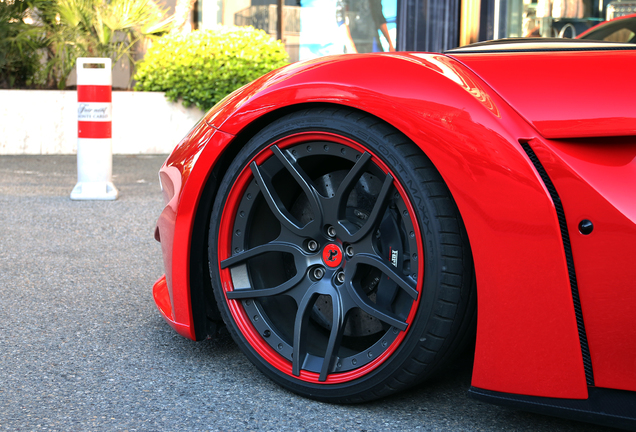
x,y
182,12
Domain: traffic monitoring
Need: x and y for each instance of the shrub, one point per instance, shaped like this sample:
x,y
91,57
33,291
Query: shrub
x,y
19,44
202,67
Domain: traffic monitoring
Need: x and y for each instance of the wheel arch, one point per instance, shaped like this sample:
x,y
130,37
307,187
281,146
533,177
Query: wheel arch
x,y
205,314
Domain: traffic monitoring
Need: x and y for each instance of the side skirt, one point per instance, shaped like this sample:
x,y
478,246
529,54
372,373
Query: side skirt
x,y
606,407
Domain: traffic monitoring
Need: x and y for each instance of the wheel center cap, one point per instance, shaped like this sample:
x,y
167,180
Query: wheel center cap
x,y
332,255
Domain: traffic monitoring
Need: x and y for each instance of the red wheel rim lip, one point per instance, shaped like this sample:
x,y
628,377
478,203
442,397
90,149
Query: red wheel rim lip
x,y
236,309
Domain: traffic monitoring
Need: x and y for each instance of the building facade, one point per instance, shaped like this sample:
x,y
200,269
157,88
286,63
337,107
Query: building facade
x,y
313,28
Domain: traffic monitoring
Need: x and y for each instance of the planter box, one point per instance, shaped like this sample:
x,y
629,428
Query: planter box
x,y
45,122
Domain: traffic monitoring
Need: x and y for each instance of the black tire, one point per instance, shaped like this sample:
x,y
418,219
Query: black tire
x,y
332,207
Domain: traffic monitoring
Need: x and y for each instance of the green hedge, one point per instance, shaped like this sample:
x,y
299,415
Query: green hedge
x,y
202,67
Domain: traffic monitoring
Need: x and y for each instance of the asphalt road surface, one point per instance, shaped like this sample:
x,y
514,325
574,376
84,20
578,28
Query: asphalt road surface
x,y
83,348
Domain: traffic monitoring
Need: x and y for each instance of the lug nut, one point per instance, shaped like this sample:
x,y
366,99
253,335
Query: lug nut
x,y
319,272
331,231
340,277
349,251
312,245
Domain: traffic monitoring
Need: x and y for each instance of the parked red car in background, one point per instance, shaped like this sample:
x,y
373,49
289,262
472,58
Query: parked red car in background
x,y
621,29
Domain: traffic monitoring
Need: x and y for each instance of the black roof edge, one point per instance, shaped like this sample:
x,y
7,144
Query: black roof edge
x,y
540,44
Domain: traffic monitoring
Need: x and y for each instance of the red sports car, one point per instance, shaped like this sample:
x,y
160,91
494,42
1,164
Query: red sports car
x,y
355,220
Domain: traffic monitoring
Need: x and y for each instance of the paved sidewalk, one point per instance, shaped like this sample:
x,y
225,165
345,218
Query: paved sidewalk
x,y
82,347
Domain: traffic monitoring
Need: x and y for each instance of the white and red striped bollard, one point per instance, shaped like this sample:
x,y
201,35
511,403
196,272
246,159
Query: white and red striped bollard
x,y
94,131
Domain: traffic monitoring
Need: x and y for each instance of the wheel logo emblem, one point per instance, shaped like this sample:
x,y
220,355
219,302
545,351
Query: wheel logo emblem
x,y
332,255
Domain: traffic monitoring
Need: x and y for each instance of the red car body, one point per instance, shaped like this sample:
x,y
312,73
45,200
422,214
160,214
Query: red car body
x,y
542,167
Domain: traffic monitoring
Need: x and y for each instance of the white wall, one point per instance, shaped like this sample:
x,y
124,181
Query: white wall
x,y
45,122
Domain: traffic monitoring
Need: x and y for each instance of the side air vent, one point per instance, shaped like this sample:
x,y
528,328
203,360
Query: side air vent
x,y
565,236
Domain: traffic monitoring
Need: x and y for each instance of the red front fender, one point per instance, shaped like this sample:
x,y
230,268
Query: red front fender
x,y
527,340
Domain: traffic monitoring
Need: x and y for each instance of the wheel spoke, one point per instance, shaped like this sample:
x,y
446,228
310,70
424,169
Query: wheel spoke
x,y
350,180
242,294
242,257
339,210
335,337
407,285
301,325
303,181
371,309
352,233
275,204
364,303
259,250
378,210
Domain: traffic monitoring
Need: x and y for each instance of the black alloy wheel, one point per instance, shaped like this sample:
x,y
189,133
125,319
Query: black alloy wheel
x,y
335,279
